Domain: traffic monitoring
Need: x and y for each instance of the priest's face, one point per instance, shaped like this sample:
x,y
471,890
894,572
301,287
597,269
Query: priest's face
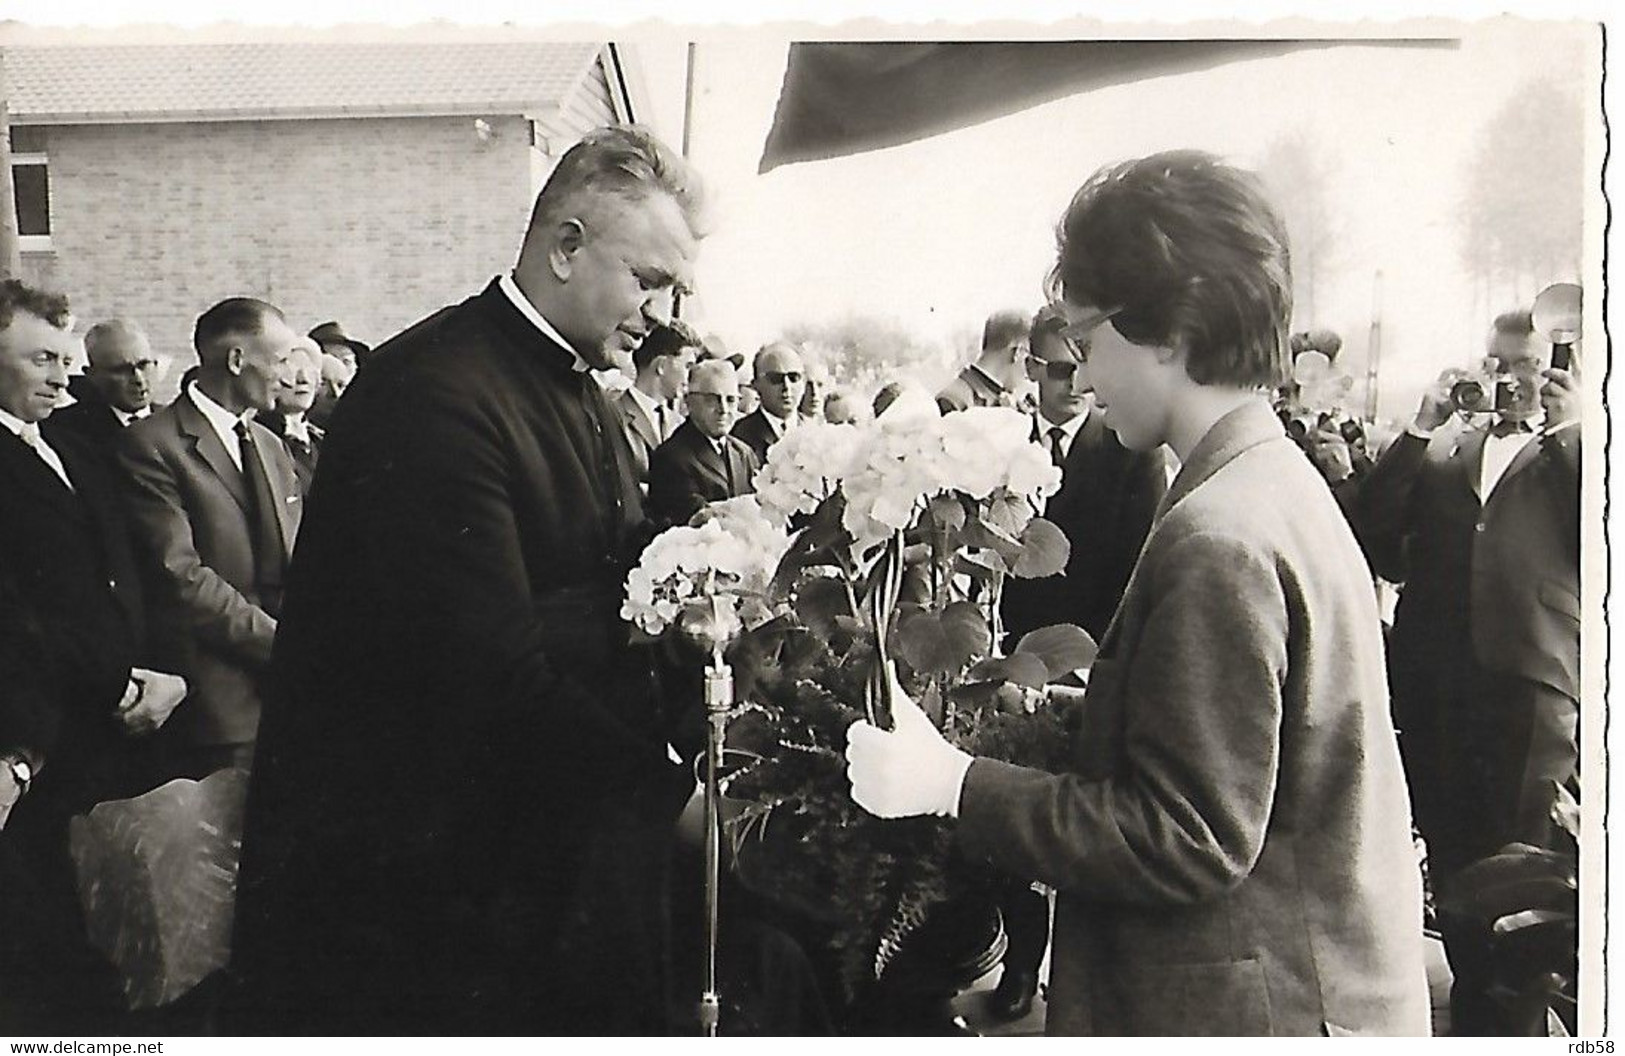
x,y
622,263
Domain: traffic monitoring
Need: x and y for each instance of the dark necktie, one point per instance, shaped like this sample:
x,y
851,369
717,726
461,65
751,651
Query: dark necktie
x,y
1503,428
661,435
728,468
1057,446
265,532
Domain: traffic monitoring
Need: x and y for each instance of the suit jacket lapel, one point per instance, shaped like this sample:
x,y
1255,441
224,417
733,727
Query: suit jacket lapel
x,y
31,472
1522,460
206,442
281,488
639,420
1469,460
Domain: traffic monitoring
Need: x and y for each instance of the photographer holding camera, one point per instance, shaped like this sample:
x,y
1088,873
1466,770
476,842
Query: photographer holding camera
x,y
1484,659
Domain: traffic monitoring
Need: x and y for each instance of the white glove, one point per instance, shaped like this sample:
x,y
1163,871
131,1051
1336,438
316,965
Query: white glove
x,y
906,771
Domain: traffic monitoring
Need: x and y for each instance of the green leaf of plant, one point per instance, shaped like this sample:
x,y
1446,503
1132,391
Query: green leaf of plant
x,y
1062,648
819,601
935,643
1044,551
1009,514
1024,669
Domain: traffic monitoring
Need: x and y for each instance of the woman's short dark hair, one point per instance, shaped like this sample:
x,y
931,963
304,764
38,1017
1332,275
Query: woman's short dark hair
x,y
1188,252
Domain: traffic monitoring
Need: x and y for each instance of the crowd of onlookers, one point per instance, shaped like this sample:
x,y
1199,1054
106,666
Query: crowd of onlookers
x,y
143,550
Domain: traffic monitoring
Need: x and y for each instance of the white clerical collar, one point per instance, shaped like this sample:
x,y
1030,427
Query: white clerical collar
x,y
511,290
222,421
779,425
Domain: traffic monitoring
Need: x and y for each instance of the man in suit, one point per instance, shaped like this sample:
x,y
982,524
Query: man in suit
x,y
701,463
463,796
1231,844
290,419
216,505
991,381
1107,499
78,706
648,408
1105,506
1484,533
780,379
115,389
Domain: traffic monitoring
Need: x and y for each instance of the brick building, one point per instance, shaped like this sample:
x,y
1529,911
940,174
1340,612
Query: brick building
x,y
365,182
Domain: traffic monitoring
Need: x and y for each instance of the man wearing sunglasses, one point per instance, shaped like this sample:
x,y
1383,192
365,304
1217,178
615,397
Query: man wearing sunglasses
x,y
115,390
1107,498
780,381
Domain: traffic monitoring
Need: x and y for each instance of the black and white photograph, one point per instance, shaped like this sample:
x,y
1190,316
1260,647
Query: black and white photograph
x,y
801,522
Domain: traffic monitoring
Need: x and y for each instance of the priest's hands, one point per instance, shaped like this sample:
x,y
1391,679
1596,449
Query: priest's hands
x,y
906,771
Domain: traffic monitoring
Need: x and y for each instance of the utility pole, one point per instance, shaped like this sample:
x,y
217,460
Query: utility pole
x,y
11,257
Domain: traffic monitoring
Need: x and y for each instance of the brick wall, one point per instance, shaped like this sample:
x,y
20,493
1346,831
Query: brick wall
x,y
374,222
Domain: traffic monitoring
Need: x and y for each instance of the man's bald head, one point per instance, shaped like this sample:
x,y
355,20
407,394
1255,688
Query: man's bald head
x,y
780,378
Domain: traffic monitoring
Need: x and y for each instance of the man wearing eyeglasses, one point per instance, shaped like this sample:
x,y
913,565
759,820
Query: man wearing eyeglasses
x,y
780,381
701,463
115,390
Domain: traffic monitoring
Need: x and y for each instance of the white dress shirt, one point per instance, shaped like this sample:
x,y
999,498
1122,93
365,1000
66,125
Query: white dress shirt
x,y
222,421
779,425
511,290
1499,454
296,429
28,433
1069,431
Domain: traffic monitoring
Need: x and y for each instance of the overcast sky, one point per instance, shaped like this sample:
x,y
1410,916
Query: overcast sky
x,y
938,233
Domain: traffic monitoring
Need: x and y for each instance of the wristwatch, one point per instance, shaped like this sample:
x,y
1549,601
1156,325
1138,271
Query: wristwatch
x,y
21,772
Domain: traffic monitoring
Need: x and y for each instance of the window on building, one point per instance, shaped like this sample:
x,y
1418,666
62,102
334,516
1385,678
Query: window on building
x,y
31,186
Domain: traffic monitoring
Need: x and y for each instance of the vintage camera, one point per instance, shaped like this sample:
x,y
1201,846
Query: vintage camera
x,y
1486,393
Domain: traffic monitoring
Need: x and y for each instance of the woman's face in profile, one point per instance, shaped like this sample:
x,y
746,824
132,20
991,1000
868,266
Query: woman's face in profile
x,y
1126,378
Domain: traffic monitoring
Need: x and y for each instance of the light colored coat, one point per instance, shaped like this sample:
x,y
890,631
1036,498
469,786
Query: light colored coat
x,y
1232,847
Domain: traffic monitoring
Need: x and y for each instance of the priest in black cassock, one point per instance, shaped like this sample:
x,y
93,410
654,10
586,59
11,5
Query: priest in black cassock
x,y
463,792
